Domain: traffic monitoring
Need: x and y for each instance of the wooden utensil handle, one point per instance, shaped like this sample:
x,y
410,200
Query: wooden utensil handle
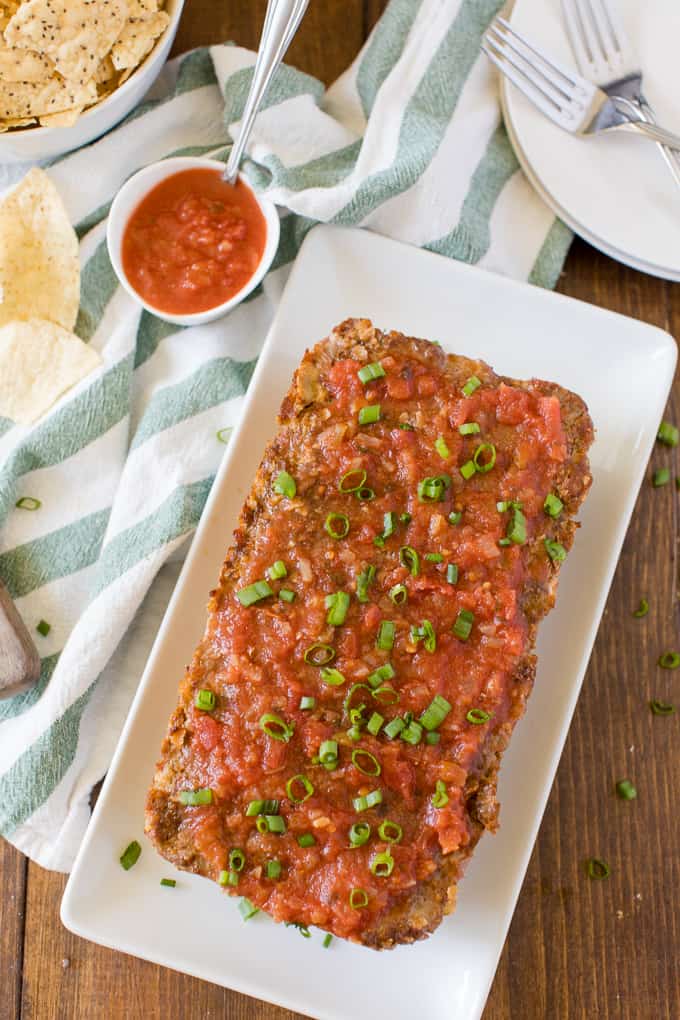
x,y
19,659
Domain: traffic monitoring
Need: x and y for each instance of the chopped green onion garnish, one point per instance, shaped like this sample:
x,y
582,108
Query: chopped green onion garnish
x,y
389,527
425,633
433,488
247,909
409,558
254,593
354,733
399,594
332,677
130,855
337,525
390,832
626,790
597,868
405,518
306,839
302,928
661,707
406,426
358,898
386,690
365,494
440,797
273,869
412,733
367,373
477,716
337,605
668,434
386,633
359,833
452,573
319,654
432,738
661,476
205,700
382,865
455,516
196,797
642,609
262,807
434,557
277,571
469,428
669,660
555,551
294,795
435,713
28,503
441,448
285,485
484,457
327,939
517,528
553,505
374,723
385,672
353,480
394,728
237,859
463,625
364,581
468,470
328,752
369,415
286,595
223,878
370,765
43,628
471,385
276,727
169,883
223,435
307,703
271,823
371,799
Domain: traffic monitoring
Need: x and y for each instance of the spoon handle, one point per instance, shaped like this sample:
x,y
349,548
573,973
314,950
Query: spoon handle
x,y
280,25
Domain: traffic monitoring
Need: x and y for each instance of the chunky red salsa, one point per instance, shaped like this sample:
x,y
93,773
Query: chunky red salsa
x,y
366,651
193,242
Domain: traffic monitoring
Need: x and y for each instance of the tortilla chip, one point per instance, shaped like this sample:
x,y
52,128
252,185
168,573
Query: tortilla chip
x,y
39,265
142,8
137,39
24,65
75,34
66,118
33,99
38,363
9,125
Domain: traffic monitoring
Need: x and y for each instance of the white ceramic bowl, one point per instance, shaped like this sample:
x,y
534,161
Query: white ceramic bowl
x,y
39,143
130,196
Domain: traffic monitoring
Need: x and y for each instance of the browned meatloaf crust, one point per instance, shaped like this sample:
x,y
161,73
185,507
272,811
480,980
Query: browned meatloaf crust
x,y
198,838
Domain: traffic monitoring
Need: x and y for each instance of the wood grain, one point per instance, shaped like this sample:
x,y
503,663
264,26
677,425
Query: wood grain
x,y
577,949
13,869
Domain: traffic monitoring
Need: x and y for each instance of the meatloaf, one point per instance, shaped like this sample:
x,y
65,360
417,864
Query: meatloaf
x,y
369,647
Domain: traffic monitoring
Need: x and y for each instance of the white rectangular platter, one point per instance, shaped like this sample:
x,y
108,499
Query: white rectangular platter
x,y
623,369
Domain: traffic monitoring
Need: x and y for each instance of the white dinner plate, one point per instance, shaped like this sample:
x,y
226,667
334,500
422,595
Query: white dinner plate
x,y
623,369
614,190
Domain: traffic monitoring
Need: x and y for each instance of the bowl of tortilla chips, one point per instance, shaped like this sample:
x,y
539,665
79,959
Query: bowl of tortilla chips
x,y
72,69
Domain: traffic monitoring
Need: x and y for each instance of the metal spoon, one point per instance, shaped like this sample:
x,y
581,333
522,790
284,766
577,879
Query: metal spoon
x,y
280,25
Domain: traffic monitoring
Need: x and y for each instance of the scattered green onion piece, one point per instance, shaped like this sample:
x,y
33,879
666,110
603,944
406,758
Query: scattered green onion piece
x,y
434,557
358,754
365,494
371,799
273,869
359,833
426,634
354,733
405,518
340,531
504,541
441,448
196,797
286,595
43,628
276,727
254,808
367,373
232,878
28,503
319,654
386,694
440,797
668,434
223,435
247,909
327,939
205,701
307,703
471,385
349,477
412,733
364,581
642,609
626,790
432,738
358,899
435,713
328,752
455,516
304,783
385,672
254,593
409,558
130,855
382,865
406,426
452,573
306,839
661,476
275,823
555,551
332,677
237,859
169,883
553,505
433,488
390,832
346,705
399,594
394,728
484,457
277,571
337,605
669,660
223,878
469,428
463,625
597,868
285,485
477,716
517,529
356,715
468,470
661,707
374,724
385,638
369,415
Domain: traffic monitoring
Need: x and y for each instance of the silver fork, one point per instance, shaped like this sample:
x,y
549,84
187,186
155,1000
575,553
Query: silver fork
x,y
572,102
604,54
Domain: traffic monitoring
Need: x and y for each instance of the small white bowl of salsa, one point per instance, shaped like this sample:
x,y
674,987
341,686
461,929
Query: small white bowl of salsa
x,y
187,245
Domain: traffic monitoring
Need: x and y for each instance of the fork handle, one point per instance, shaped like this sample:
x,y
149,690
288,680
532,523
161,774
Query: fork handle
x,y
671,157
654,133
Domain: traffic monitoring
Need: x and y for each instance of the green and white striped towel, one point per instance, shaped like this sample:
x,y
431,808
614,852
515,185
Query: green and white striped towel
x,y
408,142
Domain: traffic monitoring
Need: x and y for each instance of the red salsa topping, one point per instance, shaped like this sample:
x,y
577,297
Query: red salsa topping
x,y
193,242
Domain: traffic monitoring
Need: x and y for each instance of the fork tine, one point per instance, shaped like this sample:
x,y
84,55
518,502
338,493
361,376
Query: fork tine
x,y
512,50
535,95
577,35
602,29
619,35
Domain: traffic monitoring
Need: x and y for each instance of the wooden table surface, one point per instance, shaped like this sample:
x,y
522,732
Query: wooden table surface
x,y
577,949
